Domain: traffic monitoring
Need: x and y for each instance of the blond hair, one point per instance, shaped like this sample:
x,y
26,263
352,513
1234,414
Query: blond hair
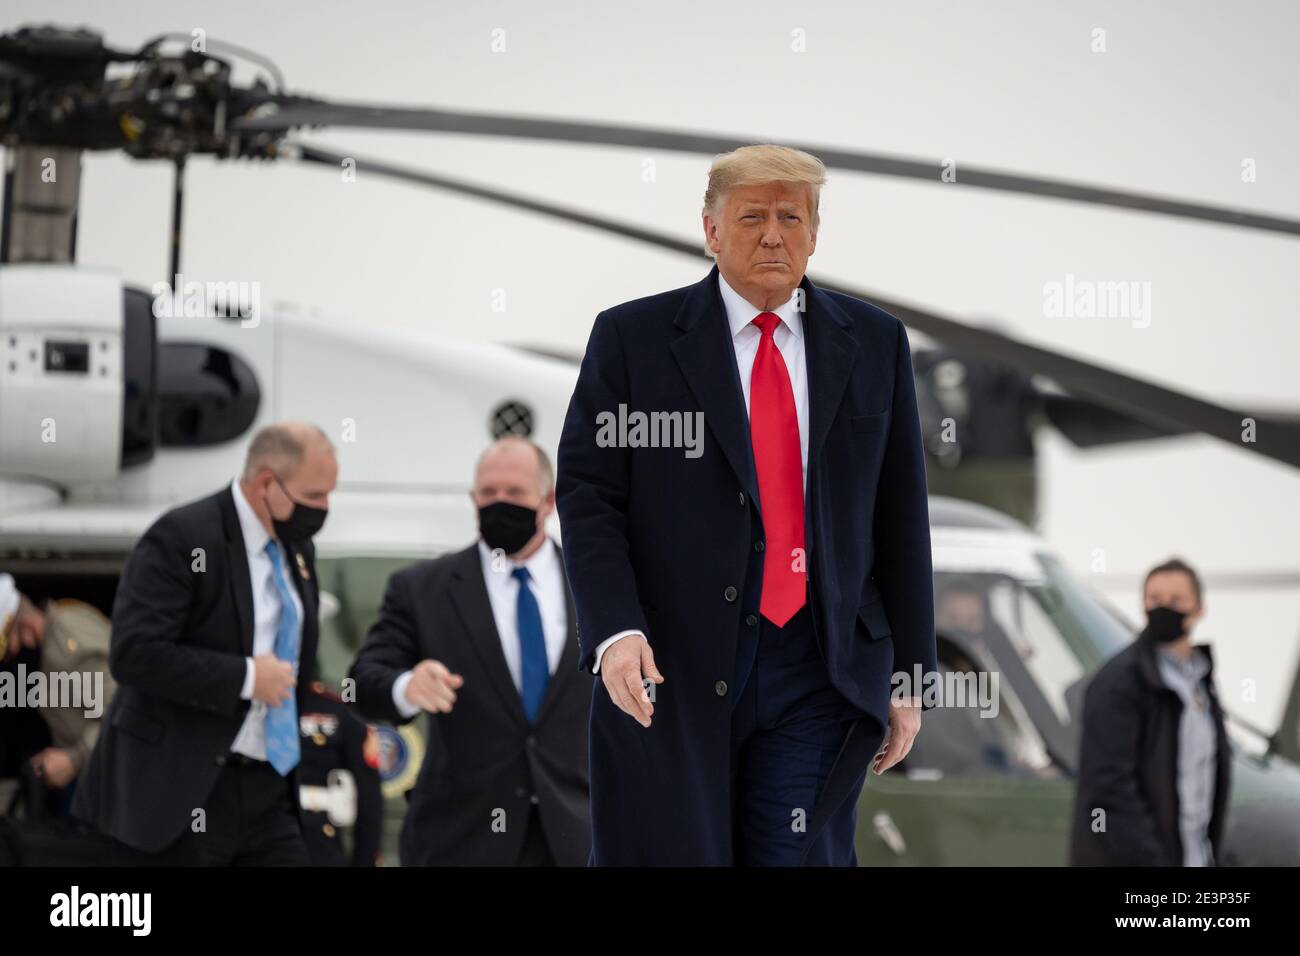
x,y
764,163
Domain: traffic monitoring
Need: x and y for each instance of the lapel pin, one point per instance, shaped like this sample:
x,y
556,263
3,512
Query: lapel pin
x,y
302,567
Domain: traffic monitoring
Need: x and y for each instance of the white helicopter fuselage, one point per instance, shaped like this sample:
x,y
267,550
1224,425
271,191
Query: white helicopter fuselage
x,y
408,417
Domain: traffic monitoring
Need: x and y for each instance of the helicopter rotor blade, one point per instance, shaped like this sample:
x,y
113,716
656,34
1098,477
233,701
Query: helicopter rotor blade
x,y
1089,425
1162,407
288,112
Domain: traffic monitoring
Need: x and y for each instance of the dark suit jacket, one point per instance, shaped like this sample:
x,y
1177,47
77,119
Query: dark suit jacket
x,y
671,545
180,633
1128,765
484,757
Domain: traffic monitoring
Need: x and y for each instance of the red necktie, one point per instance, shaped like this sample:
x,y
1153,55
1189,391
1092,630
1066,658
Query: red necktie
x,y
774,430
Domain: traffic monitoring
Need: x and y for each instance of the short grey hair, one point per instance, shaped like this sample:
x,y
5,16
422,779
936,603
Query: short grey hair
x,y
544,469
281,448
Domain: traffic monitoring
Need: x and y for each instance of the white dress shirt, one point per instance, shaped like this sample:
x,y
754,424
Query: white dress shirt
x,y
251,739
546,579
745,338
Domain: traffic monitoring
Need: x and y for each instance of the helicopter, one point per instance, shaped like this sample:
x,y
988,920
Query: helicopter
x,y
981,394
995,786
117,403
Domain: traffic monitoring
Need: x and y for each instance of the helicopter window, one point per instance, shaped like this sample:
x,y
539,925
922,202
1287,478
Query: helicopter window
x,y
1038,642
967,738
511,418
1093,630
1042,634
206,395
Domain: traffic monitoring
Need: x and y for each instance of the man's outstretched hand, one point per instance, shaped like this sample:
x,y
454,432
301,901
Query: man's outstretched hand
x,y
433,687
624,667
904,725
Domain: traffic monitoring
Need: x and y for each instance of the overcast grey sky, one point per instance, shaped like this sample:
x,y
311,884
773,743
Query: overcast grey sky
x,y
1182,95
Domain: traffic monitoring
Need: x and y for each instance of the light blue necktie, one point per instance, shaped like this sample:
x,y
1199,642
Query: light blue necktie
x,y
534,671
282,745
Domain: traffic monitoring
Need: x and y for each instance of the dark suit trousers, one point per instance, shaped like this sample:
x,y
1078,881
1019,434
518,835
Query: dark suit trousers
x,y
535,851
786,731
249,821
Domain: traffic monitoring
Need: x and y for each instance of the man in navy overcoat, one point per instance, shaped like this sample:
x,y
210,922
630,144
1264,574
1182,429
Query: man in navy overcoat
x,y
742,496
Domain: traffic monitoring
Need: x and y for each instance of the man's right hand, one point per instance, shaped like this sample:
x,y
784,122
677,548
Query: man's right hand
x,y
432,687
624,667
273,680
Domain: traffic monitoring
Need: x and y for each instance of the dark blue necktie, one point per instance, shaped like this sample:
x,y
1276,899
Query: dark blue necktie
x,y
532,647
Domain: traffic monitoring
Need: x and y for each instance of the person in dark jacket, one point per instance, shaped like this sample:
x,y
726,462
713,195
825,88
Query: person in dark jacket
x,y
485,641
1154,765
213,643
339,787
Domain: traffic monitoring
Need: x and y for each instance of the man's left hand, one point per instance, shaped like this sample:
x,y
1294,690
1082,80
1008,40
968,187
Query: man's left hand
x,y
54,766
904,725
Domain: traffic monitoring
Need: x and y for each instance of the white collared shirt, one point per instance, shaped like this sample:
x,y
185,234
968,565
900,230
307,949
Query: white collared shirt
x,y
546,579
745,337
788,336
251,739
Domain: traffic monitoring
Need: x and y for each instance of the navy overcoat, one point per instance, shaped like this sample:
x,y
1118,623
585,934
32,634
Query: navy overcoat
x,y
668,540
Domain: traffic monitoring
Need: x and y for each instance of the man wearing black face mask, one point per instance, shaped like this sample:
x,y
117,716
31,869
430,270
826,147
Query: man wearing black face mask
x,y
213,641
484,641
1155,759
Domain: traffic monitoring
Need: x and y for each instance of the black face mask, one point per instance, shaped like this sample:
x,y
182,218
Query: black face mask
x,y
303,522
1164,624
506,526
